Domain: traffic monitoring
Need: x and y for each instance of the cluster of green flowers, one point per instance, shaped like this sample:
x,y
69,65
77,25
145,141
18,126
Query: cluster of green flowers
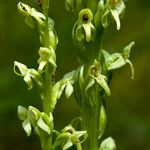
x,y
42,122
89,82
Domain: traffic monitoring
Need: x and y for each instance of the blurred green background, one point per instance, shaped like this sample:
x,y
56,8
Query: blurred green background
x,y
129,105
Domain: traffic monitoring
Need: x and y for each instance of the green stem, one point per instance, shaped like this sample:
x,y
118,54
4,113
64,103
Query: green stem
x,y
48,88
48,69
78,146
45,7
46,141
90,105
90,116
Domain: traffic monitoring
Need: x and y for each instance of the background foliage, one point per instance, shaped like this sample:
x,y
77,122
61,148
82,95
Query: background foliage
x,y
129,105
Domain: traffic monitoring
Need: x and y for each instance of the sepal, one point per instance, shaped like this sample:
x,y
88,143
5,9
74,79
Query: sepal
x,y
22,113
113,61
45,123
126,55
29,21
69,90
89,85
27,126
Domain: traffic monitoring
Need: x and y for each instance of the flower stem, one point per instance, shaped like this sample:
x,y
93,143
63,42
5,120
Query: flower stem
x,y
90,116
47,141
48,69
78,146
91,104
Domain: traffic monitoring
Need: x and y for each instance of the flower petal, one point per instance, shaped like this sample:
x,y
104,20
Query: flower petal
x,y
115,14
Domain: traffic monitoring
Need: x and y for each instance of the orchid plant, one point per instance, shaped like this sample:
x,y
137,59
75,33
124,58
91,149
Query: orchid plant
x,y
89,83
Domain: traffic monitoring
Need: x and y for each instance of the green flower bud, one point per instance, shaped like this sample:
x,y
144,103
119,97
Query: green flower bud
x,y
52,41
53,38
44,53
99,13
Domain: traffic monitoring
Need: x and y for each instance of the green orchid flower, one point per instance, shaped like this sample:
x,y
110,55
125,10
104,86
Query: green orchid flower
x,y
117,60
95,72
32,117
31,13
83,28
113,8
28,75
69,137
46,55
